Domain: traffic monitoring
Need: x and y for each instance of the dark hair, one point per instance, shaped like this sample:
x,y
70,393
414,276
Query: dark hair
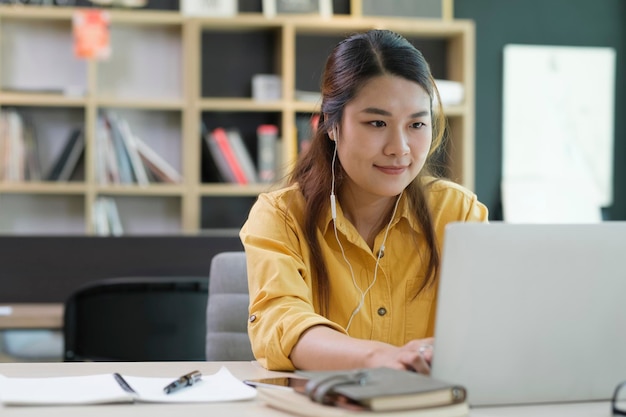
x,y
352,63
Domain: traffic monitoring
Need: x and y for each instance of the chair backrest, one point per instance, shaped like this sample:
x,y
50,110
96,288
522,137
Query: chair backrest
x,y
227,309
137,319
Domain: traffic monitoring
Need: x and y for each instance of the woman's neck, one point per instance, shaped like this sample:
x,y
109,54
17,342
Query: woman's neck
x,y
368,215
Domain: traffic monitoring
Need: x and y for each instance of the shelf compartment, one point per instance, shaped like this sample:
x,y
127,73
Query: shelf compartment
x,y
28,214
225,212
39,58
52,127
222,49
161,130
246,123
146,63
148,215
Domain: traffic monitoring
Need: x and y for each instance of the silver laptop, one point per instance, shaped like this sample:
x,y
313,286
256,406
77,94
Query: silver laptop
x,y
532,313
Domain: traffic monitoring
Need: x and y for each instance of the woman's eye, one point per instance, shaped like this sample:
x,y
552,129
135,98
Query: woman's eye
x,y
378,123
418,125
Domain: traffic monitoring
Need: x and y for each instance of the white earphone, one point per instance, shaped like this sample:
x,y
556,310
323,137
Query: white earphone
x,y
333,203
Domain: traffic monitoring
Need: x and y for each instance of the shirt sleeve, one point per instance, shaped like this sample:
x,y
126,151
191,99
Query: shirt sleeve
x,y
279,282
477,211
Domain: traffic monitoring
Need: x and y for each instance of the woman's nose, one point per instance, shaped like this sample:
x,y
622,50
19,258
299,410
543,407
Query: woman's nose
x,y
397,143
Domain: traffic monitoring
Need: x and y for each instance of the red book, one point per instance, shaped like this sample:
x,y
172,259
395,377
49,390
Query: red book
x,y
221,137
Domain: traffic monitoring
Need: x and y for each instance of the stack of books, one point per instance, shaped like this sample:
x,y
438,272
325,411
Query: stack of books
x,y
124,158
233,161
372,392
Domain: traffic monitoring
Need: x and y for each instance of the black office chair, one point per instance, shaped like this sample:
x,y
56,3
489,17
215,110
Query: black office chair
x,y
137,319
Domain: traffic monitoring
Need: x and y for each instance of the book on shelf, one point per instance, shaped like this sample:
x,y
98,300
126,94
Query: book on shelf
x,y
12,147
32,168
123,157
99,216
376,392
243,156
113,217
116,388
107,170
130,143
211,157
121,153
68,160
267,138
226,155
158,167
106,217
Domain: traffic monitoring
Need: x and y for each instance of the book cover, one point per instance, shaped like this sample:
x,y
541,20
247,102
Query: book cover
x,y
221,138
113,217
382,389
210,172
31,147
130,143
243,156
15,149
68,159
121,153
159,167
91,34
99,219
299,405
220,164
267,137
103,171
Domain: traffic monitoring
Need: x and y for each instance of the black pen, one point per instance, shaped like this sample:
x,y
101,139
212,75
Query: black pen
x,y
184,381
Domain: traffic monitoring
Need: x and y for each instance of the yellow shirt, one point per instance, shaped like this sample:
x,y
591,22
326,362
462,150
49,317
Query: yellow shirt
x,y
282,304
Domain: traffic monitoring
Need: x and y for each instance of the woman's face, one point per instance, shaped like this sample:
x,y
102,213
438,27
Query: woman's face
x,y
385,136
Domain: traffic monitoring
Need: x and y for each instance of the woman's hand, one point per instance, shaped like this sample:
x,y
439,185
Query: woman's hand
x,y
415,356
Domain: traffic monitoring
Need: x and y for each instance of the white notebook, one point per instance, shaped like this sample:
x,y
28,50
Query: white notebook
x,y
105,388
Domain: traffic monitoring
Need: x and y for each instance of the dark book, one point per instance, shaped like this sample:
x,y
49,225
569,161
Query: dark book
x,y
373,392
382,389
121,152
68,160
209,169
219,158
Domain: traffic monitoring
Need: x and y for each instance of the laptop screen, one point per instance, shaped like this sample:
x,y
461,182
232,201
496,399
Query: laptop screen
x,y
532,313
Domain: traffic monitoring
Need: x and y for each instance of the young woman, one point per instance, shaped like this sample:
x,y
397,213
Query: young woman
x,y
343,262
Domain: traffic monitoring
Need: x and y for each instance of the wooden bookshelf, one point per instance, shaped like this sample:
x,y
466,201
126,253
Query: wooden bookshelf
x,y
165,76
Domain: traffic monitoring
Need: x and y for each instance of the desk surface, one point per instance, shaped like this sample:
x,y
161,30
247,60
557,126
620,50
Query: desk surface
x,y
241,370
31,316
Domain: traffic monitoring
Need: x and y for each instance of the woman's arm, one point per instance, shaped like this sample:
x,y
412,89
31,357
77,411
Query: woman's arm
x,y
321,347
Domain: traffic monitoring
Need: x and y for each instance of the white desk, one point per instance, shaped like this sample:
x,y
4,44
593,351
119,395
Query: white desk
x,y
241,370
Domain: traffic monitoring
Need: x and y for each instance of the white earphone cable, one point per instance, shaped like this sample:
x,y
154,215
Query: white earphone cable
x,y
333,210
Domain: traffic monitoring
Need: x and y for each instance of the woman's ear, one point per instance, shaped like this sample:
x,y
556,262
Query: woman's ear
x,y
331,131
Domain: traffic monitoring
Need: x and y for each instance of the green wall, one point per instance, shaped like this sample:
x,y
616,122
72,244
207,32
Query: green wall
x,y
539,22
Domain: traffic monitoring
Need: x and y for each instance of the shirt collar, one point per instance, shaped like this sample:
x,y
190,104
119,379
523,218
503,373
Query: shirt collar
x,y
403,213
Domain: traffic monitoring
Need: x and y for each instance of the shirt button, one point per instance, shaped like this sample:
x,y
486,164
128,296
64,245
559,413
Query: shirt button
x,y
380,253
382,311
252,318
